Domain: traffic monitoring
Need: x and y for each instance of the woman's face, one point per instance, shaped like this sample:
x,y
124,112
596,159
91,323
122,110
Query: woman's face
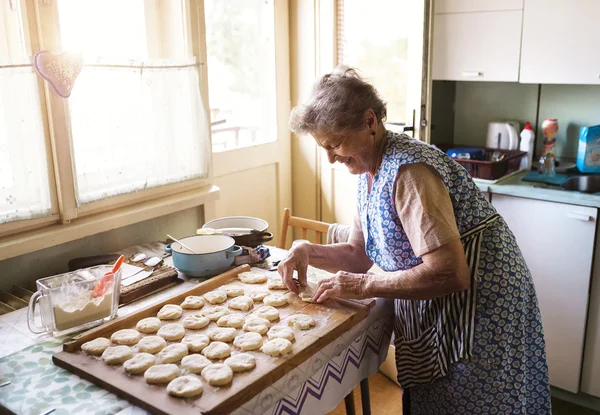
x,y
354,150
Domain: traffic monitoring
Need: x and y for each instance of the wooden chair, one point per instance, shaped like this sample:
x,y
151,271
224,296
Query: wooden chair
x,y
305,225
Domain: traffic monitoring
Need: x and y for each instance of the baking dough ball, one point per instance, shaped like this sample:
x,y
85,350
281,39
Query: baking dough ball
x,y
185,387
116,355
233,290
196,342
151,344
172,332
248,341
195,322
232,320
301,321
258,295
267,312
161,373
95,347
217,374
194,363
215,297
139,363
277,347
126,336
281,332
173,353
242,302
215,313
148,325
252,277
275,300
192,302
276,284
306,297
241,362
257,325
217,350
170,312
222,334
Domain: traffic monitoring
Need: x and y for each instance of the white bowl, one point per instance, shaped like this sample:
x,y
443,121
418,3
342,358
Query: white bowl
x,y
237,222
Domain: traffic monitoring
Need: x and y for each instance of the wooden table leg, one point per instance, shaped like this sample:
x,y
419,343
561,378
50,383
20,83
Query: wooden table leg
x,y
364,395
349,402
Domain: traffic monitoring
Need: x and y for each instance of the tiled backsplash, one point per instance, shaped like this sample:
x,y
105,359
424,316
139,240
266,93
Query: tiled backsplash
x,y
462,110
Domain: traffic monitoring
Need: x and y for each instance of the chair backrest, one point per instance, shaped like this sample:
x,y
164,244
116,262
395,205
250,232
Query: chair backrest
x,y
305,225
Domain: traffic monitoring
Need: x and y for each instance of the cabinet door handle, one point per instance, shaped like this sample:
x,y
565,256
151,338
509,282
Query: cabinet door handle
x,y
472,74
580,216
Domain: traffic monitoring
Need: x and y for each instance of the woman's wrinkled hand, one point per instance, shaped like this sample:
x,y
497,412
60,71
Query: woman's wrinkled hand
x,y
297,260
341,285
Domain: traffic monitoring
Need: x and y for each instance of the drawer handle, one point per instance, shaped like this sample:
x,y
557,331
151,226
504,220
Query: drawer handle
x,y
472,74
579,216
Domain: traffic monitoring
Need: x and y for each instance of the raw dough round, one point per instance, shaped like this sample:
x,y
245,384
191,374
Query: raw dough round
x,y
194,363
257,325
275,300
301,321
195,322
139,363
185,387
172,332
215,313
161,373
276,284
148,325
277,347
170,312
258,295
233,290
267,312
306,297
95,347
217,350
192,302
252,277
196,342
248,341
222,334
151,344
125,336
232,320
281,332
215,297
217,374
241,362
173,353
242,302
116,355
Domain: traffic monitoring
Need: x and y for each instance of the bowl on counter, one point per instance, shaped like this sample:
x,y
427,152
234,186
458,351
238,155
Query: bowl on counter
x,y
245,230
213,255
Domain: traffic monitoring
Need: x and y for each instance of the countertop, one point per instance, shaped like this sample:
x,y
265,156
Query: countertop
x,y
515,186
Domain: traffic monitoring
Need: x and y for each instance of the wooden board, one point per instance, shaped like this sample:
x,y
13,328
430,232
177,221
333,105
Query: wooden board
x,y
333,318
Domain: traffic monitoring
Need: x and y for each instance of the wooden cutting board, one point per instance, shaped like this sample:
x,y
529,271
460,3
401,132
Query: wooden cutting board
x,y
333,318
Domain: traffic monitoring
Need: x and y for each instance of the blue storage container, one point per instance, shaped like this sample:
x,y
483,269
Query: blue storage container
x,y
472,153
588,153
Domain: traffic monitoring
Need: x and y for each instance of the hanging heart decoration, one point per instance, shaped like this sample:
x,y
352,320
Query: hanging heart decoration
x,y
59,70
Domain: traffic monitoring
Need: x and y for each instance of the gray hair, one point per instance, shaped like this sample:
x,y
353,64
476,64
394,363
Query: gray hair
x,y
337,105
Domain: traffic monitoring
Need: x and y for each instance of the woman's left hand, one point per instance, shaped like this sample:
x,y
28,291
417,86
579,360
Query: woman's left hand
x,y
342,285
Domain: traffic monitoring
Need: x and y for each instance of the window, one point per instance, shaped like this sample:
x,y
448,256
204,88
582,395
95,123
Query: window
x,y
240,49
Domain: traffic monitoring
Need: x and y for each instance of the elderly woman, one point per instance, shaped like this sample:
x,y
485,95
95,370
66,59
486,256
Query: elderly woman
x,y
468,331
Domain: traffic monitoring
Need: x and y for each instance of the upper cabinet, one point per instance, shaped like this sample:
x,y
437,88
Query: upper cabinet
x,y
475,41
560,42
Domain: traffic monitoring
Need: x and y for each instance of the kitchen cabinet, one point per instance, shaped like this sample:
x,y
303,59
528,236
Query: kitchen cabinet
x,y
468,6
557,241
560,42
479,46
590,376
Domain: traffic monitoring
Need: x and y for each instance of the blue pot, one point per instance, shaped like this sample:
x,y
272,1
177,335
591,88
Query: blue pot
x,y
214,255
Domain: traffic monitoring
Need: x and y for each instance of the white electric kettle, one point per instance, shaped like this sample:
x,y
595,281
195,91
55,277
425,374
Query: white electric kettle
x,y
503,135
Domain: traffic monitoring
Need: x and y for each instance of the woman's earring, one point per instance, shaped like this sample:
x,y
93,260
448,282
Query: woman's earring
x,y
372,132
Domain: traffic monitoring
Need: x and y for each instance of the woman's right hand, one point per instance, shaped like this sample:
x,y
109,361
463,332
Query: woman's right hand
x,y
297,260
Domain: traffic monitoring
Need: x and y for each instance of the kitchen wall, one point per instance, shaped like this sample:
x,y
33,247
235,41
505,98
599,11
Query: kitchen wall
x,y
27,268
474,104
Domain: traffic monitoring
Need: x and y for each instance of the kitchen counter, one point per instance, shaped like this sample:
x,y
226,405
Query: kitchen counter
x,y
515,186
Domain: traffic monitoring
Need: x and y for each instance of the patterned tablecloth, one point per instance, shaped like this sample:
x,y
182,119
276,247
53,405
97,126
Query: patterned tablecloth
x,y
315,387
